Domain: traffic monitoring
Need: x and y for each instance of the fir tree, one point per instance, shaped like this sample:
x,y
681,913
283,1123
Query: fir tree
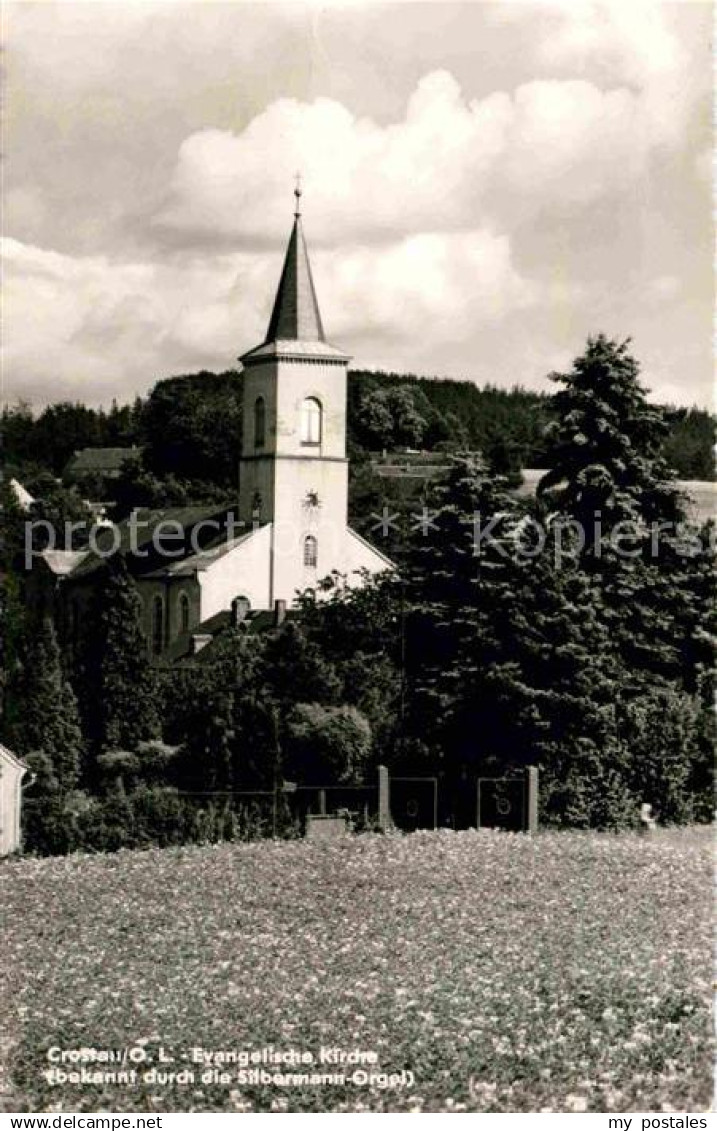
x,y
607,443
507,662
453,561
49,720
610,478
122,681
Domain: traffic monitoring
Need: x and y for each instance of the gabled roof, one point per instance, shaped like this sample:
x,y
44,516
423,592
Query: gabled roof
x,y
202,559
64,562
22,496
369,546
135,537
295,327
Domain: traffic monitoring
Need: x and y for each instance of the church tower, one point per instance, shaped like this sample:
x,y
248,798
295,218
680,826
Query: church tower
x,y
291,531
293,472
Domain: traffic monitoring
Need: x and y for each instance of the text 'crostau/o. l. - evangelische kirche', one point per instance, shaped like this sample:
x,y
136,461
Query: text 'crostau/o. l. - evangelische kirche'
x,y
197,568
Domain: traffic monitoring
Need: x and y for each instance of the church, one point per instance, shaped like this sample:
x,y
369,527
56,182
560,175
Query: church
x,y
287,530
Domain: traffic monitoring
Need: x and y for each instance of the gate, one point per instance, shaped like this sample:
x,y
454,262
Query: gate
x,y
508,803
414,803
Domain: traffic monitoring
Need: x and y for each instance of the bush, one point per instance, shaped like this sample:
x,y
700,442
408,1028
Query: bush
x,y
326,744
661,730
157,816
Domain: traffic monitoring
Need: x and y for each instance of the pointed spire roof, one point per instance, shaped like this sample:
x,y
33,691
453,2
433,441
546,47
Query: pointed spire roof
x,y
296,316
295,327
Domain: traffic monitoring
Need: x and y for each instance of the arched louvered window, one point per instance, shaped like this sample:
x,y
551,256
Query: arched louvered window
x,y
311,421
311,551
259,422
184,613
157,625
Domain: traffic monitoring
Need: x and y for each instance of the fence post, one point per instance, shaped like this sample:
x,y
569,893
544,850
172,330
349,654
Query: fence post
x,y
531,799
384,811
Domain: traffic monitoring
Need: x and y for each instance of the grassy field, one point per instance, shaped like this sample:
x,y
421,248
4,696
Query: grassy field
x,y
567,972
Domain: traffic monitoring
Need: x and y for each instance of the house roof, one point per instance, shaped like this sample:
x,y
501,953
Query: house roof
x,y
295,327
100,460
22,496
369,546
295,349
531,477
133,536
64,562
203,559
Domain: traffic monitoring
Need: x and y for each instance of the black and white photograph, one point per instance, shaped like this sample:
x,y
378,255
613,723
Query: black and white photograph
x,y
358,537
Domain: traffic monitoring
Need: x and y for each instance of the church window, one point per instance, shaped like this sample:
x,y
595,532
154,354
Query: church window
x,y
157,625
311,551
259,422
311,421
184,613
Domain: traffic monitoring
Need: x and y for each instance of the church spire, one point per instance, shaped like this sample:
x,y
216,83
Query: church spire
x,y
295,328
296,316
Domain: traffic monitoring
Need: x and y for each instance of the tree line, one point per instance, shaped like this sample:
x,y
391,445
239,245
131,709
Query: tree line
x,y
189,430
558,631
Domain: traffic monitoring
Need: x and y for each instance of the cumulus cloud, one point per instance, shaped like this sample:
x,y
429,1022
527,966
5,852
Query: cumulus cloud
x,y
449,163
101,327
479,195
451,282
103,323
638,41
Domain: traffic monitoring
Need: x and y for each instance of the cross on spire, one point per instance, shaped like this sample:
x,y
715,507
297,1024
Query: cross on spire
x,y
297,194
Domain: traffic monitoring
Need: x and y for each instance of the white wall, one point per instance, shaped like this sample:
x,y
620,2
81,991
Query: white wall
x,y
11,774
360,554
295,518
327,383
285,473
285,385
244,570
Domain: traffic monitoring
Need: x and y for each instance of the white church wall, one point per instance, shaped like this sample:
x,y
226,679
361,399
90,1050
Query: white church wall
x,y
259,381
244,570
327,384
297,483
360,554
256,478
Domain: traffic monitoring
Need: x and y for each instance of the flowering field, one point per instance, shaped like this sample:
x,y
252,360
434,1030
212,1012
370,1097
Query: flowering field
x,y
479,971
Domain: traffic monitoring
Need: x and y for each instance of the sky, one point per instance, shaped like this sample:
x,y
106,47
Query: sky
x,y
485,185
